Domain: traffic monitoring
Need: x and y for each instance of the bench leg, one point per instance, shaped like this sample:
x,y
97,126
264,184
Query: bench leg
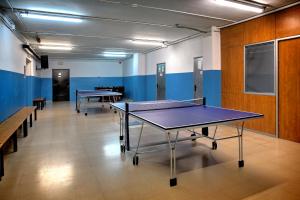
x,y
25,128
30,120
15,141
1,163
35,114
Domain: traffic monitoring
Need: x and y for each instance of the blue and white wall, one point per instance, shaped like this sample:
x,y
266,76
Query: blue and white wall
x,y
84,75
19,81
140,70
134,77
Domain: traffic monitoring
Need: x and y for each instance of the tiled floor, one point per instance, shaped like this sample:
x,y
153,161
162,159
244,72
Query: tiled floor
x,y
71,156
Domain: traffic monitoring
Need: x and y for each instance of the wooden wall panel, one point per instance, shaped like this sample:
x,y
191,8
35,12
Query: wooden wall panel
x,y
232,70
232,36
289,89
260,29
233,40
288,22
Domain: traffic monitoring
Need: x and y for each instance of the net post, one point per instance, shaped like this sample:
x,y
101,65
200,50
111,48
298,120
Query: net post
x,y
204,129
127,143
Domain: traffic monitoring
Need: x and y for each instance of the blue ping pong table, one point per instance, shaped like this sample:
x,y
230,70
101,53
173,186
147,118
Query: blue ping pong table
x,y
100,94
173,117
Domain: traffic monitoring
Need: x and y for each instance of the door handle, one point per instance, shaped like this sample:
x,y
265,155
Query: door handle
x,y
157,86
195,88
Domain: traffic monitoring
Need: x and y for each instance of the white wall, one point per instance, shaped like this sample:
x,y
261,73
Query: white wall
x,y
136,65
12,55
179,58
85,68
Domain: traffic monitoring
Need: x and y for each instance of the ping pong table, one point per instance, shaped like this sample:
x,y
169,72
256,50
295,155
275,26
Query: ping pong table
x,y
89,94
172,117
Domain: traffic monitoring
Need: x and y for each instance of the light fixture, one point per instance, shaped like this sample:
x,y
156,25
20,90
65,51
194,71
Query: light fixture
x,y
63,48
50,17
114,54
240,5
145,42
55,44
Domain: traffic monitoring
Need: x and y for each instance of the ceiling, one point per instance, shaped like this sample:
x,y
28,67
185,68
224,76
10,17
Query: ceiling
x,y
111,25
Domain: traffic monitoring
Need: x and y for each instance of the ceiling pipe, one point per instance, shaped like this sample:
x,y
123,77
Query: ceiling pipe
x,y
135,5
190,28
18,11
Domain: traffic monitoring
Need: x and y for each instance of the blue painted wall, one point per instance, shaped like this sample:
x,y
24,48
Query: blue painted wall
x,y
140,88
16,91
135,87
178,86
89,83
46,88
212,87
80,83
150,87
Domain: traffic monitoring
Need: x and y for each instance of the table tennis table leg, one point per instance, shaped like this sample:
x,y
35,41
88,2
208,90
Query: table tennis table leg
x,y
121,126
173,179
135,157
240,138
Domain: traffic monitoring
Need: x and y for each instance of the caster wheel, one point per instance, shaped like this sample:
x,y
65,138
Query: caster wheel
x,y
122,148
135,160
192,135
115,111
78,111
173,182
85,114
121,137
241,163
214,145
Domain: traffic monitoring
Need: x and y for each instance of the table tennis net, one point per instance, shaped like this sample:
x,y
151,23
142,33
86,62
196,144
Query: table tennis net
x,y
164,104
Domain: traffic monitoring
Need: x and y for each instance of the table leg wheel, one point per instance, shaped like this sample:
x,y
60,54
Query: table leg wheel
x,y
122,148
173,182
121,137
192,135
85,114
241,163
135,160
214,145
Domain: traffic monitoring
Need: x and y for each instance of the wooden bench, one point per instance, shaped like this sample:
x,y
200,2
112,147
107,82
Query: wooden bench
x,y
9,128
39,102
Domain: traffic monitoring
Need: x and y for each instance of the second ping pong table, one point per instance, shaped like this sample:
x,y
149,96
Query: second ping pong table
x,y
100,94
172,117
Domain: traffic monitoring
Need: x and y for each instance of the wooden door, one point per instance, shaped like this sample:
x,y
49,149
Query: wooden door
x,y
289,89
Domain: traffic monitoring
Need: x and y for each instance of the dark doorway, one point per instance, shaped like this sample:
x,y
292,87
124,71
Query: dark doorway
x,y
160,81
61,84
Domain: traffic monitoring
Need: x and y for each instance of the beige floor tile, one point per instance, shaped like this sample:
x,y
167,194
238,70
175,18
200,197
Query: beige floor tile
x,y
72,156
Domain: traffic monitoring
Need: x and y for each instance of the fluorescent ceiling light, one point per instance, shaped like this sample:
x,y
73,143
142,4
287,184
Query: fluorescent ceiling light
x,y
64,48
51,17
240,5
55,44
145,42
114,54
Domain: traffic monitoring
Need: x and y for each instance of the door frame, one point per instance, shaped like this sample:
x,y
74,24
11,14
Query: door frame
x,y
277,77
156,78
69,83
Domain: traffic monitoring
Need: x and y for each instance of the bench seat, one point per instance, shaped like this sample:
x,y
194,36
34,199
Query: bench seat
x,y
9,127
